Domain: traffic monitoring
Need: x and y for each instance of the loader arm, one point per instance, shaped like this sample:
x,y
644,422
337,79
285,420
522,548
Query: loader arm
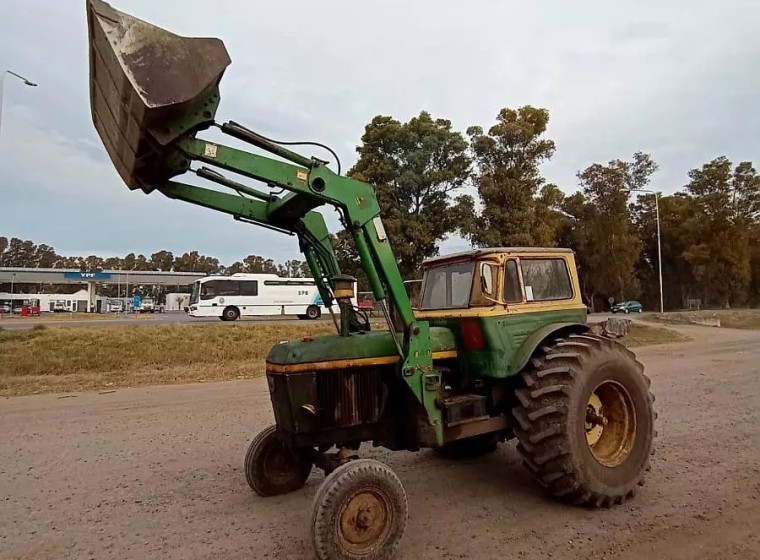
x,y
152,94
312,233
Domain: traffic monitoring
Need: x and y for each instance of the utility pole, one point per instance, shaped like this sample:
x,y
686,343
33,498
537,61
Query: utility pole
x,y
13,277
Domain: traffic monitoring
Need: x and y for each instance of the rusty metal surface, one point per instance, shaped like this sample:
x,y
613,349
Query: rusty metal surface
x,y
348,397
147,87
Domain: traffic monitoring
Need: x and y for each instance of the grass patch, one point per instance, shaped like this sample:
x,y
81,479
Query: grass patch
x,y
729,318
56,317
644,335
46,360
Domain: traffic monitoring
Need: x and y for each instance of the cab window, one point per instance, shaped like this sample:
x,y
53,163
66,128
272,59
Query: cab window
x,y
484,290
447,287
512,291
546,279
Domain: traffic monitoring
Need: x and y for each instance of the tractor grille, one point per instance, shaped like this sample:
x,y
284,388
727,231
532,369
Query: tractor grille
x,y
348,397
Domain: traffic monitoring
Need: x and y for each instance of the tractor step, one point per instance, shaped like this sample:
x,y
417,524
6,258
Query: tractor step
x,y
462,409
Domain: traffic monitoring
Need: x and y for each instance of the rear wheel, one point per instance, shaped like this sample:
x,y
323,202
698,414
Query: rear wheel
x,y
313,312
230,313
272,467
359,512
585,422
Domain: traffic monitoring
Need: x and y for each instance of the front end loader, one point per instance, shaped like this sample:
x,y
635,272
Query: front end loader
x,y
497,348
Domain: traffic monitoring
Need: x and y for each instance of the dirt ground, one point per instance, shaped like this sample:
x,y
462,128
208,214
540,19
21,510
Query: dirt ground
x,y
156,472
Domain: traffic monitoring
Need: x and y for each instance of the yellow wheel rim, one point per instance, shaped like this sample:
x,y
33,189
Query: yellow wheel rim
x,y
365,521
610,423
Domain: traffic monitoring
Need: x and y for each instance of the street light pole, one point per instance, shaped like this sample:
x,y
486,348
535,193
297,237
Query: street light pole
x,y
13,277
126,289
2,79
659,240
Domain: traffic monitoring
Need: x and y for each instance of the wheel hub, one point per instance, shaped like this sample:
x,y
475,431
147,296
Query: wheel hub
x,y
594,419
610,423
365,521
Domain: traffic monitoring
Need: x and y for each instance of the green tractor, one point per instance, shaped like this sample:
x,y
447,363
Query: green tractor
x,y
497,347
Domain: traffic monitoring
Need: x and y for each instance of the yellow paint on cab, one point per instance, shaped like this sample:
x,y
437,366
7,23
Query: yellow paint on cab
x,y
499,257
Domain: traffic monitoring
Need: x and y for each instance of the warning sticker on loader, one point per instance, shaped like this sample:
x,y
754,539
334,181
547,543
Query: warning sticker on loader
x,y
210,151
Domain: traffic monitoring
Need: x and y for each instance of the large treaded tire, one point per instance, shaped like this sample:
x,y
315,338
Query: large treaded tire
x,y
551,425
264,475
332,509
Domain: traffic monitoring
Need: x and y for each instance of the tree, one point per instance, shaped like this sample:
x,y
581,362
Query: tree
x,y
3,248
507,179
68,262
45,256
294,269
549,217
726,203
91,263
112,263
348,259
256,264
602,230
754,264
194,262
19,253
162,260
416,168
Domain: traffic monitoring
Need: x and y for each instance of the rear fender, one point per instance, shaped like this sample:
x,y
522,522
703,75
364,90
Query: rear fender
x,y
528,347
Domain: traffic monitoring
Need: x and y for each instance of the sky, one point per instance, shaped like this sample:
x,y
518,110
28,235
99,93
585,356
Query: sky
x,y
677,79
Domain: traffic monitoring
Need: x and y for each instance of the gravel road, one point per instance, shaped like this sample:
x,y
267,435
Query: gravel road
x,y
156,473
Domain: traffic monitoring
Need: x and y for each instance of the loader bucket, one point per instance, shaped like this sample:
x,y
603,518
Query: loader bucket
x,y
148,87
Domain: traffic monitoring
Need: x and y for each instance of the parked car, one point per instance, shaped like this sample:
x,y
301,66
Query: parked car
x,y
627,307
5,308
147,305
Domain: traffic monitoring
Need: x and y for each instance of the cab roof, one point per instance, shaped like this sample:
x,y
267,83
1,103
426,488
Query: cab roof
x,y
490,250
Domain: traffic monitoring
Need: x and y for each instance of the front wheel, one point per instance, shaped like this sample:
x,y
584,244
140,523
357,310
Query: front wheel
x,y
585,422
360,512
313,312
272,467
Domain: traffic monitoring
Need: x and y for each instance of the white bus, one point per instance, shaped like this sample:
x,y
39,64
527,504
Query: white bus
x,y
231,297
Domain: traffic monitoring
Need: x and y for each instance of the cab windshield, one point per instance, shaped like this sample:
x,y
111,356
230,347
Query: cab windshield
x,y
447,287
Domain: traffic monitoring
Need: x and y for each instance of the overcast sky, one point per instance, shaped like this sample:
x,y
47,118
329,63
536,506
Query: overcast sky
x,y
678,79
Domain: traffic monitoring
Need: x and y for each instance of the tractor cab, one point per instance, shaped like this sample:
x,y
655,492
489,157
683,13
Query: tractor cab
x,y
495,300
497,278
